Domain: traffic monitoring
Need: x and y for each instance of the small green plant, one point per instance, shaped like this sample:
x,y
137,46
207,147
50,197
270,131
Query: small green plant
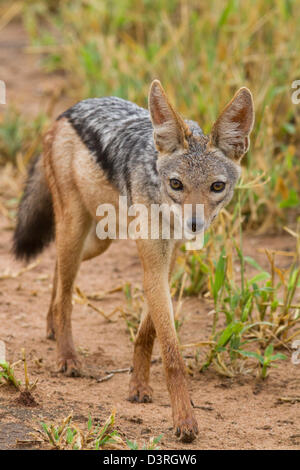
x,y
133,309
266,360
193,265
7,373
67,435
152,444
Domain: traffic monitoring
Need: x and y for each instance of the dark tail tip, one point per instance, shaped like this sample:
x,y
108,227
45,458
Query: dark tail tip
x,y
35,221
31,237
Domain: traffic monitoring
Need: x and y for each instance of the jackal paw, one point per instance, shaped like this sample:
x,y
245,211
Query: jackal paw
x,y
186,429
140,393
70,366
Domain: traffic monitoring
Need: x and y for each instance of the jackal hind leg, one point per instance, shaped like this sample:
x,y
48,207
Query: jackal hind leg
x,y
72,227
92,247
50,331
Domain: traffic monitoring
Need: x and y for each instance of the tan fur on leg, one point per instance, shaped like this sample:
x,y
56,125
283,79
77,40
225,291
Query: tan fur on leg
x,y
139,389
156,258
70,235
50,334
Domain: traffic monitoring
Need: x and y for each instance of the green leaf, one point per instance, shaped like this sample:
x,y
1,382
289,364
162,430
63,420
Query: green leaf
x,y
293,278
253,263
233,328
252,355
278,356
229,8
157,439
69,436
132,445
225,336
248,327
269,350
259,277
90,423
292,200
289,128
219,275
246,310
45,427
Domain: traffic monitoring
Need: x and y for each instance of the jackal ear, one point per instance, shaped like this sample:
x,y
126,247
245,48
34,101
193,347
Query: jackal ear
x,y
170,131
231,131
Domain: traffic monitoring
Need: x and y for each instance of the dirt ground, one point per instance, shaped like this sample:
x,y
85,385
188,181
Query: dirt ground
x,y
237,413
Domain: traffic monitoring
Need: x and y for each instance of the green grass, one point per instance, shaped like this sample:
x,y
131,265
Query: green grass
x,y
260,311
19,136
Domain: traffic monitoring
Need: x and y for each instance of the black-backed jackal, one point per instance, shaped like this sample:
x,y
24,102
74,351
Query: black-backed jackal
x,y
106,147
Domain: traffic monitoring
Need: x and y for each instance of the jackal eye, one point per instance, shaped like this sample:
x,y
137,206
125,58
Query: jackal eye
x,y
176,184
217,186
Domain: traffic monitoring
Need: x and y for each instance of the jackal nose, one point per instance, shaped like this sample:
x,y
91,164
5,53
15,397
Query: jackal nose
x,y
195,225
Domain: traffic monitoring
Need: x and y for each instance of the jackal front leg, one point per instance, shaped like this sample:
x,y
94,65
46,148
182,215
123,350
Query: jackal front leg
x,y
156,257
139,388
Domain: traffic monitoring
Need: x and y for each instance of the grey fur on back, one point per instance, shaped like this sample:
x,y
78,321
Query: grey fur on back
x,y
119,134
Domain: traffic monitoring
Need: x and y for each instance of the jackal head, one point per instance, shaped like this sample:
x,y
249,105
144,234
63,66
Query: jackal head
x,y
198,169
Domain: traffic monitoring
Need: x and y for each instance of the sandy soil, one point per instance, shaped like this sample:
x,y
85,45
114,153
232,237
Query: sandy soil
x,y
239,413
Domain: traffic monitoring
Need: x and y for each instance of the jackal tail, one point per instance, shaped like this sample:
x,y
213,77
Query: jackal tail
x,y
35,220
